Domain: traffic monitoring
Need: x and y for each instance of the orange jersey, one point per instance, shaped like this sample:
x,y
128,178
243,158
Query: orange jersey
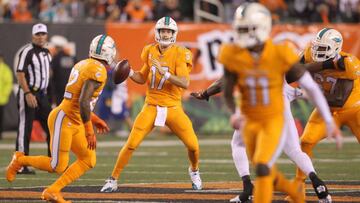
x,y
341,86
178,61
88,69
260,80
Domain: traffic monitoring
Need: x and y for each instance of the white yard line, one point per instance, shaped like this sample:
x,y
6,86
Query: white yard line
x,y
162,143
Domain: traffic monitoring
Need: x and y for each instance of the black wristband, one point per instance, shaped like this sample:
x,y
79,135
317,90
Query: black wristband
x,y
28,92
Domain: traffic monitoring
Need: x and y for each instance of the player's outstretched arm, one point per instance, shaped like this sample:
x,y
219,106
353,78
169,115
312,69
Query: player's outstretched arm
x,y
298,73
137,77
312,68
213,89
229,82
87,91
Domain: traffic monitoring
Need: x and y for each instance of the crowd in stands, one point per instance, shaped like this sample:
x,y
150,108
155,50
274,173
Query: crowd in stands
x,y
68,11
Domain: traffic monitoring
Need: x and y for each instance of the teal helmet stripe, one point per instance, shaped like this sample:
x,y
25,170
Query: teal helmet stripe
x,y
167,20
100,44
322,32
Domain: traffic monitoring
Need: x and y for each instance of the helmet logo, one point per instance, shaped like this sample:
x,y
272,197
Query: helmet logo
x,y
336,39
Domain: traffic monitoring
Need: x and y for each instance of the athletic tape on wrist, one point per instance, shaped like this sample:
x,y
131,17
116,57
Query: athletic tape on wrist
x,y
131,73
167,75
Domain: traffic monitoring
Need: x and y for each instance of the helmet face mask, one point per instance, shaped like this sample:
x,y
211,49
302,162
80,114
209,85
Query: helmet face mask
x,y
252,24
246,36
327,45
166,23
103,47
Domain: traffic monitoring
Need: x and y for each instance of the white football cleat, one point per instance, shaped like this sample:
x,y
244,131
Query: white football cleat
x,y
235,199
326,200
110,185
195,179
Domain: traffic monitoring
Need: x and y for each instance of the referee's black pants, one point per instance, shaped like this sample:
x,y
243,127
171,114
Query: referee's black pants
x,y
26,117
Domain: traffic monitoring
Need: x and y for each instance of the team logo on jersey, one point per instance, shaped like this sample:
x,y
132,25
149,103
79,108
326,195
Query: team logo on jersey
x,y
187,56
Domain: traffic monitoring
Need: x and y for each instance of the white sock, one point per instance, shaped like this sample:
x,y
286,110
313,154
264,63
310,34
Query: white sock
x,y
292,146
239,155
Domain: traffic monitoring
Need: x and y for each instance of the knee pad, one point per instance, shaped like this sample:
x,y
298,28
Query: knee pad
x,y
262,170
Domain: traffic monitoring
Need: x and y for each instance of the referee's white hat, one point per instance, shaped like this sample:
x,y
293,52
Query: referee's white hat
x,y
37,28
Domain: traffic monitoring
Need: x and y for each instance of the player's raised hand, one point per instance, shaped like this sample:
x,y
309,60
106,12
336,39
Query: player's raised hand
x,y
157,65
201,95
333,132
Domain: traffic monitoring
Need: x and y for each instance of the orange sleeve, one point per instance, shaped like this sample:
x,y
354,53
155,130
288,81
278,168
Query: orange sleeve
x,y
144,57
223,56
183,63
352,67
307,54
289,56
96,72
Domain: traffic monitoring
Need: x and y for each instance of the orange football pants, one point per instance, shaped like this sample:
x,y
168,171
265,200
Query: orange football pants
x,y
178,122
264,140
315,130
66,135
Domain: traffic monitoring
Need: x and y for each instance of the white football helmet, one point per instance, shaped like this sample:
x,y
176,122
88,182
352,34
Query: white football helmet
x,y
103,47
166,23
326,45
252,24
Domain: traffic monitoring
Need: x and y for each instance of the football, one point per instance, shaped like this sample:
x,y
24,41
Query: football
x,y
121,71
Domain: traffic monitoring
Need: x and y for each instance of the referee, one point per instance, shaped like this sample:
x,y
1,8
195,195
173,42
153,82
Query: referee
x,y
32,72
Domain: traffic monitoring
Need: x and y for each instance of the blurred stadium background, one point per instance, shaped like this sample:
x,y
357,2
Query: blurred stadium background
x,y
203,26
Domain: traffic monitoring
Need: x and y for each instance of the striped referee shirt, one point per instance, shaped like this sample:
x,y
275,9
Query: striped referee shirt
x,y
34,61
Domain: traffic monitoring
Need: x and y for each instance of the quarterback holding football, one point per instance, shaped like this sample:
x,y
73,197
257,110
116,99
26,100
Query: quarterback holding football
x,y
166,71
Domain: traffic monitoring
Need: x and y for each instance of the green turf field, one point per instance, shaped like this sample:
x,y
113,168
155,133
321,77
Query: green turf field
x,y
164,159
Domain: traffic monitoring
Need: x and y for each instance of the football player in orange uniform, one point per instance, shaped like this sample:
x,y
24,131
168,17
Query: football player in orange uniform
x,y
257,67
291,147
166,70
71,123
340,82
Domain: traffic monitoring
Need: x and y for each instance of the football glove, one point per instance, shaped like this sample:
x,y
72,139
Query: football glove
x,y
101,126
202,95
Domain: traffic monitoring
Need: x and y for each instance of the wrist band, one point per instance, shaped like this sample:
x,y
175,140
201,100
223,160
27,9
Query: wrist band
x,y
131,73
28,92
167,75
89,128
